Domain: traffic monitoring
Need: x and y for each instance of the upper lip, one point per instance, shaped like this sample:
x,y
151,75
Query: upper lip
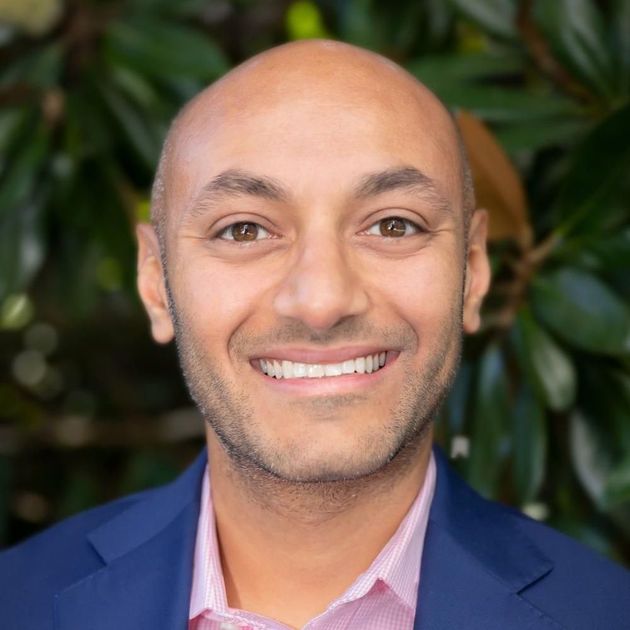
x,y
312,355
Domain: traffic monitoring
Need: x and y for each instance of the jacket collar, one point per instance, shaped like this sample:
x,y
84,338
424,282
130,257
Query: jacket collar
x,y
476,562
148,552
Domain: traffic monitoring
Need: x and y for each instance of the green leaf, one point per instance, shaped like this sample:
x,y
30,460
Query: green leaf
x,y
529,444
533,135
590,460
451,69
617,489
139,130
620,26
575,29
547,365
583,311
21,247
487,440
304,21
165,49
599,169
498,17
612,253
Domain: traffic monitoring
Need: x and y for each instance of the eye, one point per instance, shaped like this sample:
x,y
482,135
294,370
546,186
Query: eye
x,y
243,231
394,227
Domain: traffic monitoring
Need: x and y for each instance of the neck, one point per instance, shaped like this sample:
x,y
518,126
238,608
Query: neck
x,y
305,543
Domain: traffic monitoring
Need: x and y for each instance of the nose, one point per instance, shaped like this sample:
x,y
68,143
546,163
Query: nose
x,y
322,287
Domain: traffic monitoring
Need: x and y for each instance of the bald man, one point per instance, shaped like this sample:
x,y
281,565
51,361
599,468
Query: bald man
x,y
316,254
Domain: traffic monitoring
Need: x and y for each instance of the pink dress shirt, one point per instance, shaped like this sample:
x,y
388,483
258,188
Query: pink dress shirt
x,y
382,598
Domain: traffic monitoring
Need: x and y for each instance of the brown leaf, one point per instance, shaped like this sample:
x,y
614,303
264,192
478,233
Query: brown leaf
x,y
498,186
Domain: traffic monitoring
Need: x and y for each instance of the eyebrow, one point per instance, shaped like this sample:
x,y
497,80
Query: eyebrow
x,y
233,183
406,178
236,182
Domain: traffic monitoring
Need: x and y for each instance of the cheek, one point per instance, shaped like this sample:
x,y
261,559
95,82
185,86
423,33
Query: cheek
x,y
217,299
424,290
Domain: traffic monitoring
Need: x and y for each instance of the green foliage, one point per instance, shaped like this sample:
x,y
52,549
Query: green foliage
x,y
542,401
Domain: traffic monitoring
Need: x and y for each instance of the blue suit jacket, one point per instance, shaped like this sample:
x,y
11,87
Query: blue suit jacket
x,y
127,566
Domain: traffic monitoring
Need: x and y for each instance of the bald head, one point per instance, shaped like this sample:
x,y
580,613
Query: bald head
x,y
337,77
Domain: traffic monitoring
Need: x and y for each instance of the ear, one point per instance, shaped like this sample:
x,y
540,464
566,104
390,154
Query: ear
x,y
477,271
151,283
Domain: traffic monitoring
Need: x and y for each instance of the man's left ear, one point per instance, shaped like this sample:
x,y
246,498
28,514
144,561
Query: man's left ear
x,y
477,270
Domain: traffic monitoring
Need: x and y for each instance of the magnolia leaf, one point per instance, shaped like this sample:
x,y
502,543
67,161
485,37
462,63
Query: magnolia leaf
x,y
529,445
498,186
547,365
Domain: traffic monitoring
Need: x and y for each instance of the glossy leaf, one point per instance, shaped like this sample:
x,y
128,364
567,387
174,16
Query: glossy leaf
x,y
617,489
582,310
491,413
529,445
620,24
495,16
576,31
591,459
160,49
550,369
600,166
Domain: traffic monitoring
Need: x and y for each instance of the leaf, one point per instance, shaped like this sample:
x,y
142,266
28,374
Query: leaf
x,y
590,460
450,70
599,168
529,444
21,247
139,130
606,255
491,413
304,21
549,368
583,311
165,49
498,185
617,488
495,16
533,135
575,30
620,25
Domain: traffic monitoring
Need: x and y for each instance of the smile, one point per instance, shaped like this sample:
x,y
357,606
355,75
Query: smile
x,y
290,369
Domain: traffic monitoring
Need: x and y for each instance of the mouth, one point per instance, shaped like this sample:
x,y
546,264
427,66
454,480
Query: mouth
x,y
287,369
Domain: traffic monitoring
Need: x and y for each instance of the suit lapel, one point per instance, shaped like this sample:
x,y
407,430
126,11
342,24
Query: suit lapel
x,y
148,555
475,563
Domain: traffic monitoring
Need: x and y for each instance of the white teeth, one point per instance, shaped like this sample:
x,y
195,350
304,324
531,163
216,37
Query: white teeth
x,y
314,371
333,369
347,367
289,369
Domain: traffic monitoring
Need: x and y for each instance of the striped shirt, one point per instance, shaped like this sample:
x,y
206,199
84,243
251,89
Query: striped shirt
x,y
382,598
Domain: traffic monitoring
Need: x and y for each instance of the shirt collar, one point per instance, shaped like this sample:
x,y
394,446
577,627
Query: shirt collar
x,y
397,565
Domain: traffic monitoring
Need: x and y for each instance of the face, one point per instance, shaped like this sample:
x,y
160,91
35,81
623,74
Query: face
x,y
319,278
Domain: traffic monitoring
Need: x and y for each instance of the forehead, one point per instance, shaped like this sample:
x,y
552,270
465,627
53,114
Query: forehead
x,y
315,134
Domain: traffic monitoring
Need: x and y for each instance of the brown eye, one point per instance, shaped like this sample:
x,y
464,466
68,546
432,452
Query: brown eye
x,y
242,232
393,227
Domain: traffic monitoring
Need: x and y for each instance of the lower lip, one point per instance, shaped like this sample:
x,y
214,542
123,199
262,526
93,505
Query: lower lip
x,y
327,385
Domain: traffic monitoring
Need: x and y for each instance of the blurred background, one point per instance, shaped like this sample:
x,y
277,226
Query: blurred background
x,y
91,408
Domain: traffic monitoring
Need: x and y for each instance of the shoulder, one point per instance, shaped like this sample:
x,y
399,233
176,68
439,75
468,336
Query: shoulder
x,y
554,575
580,579
34,570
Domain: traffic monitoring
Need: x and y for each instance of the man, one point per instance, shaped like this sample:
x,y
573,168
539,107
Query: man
x,y
316,254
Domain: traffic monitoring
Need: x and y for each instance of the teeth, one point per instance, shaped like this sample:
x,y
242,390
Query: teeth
x,y
289,369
